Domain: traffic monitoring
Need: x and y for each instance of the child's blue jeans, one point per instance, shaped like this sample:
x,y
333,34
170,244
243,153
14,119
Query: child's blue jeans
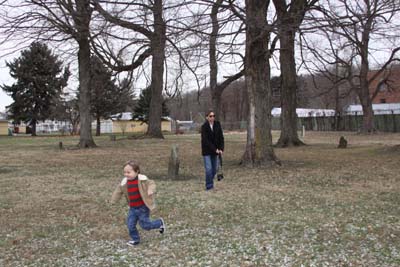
x,y
142,215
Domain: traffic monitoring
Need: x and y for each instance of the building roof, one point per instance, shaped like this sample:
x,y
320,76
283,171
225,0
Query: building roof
x,y
306,112
127,116
124,116
387,108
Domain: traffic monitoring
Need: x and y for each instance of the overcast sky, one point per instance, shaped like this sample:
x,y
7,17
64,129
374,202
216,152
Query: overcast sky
x,y
5,78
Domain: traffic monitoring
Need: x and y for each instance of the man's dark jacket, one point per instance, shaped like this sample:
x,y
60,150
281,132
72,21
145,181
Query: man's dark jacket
x,y
211,140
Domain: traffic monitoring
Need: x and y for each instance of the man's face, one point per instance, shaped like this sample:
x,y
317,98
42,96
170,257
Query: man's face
x,y
211,117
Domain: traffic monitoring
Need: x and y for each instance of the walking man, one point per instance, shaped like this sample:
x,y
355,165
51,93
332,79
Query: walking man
x,y
212,145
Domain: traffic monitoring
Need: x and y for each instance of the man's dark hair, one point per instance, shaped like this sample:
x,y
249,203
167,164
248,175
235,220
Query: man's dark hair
x,y
209,111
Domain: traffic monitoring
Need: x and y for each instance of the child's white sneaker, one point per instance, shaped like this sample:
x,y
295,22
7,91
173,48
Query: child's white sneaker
x,y
163,227
132,243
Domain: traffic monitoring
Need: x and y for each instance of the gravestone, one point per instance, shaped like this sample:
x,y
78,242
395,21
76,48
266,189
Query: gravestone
x,y
342,142
173,165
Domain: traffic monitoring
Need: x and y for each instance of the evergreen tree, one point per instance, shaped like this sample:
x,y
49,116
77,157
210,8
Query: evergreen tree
x,y
106,97
40,80
142,109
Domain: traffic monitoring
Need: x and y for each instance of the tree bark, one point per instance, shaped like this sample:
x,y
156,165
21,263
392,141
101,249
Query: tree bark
x,y
249,156
98,126
288,136
259,149
215,96
363,90
366,102
215,88
82,20
337,98
157,71
33,124
289,18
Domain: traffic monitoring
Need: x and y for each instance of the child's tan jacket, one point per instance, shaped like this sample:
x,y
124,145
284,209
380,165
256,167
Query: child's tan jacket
x,y
145,185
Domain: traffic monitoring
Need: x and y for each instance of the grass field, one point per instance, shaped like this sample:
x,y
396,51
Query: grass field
x,y
323,207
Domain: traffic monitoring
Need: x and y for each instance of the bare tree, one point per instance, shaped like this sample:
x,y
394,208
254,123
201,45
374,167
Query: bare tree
x,y
212,23
290,16
365,28
259,149
155,37
215,87
162,30
57,21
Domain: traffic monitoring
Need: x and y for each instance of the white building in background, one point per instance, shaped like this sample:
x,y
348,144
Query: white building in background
x,y
106,126
49,126
379,109
306,112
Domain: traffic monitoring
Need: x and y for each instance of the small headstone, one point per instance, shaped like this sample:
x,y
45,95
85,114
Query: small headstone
x,y
173,165
60,146
342,142
113,137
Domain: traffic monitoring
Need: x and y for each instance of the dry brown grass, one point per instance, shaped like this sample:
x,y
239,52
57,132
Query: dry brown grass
x,y
324,207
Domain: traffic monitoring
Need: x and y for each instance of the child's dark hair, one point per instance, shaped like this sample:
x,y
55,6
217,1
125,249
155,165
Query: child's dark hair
x,y
134,165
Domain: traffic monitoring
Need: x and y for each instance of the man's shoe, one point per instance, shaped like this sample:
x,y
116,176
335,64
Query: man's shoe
x,y
132,243
163,227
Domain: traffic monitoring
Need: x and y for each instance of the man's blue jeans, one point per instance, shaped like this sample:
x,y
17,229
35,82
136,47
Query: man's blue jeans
x,y
142,215
210,165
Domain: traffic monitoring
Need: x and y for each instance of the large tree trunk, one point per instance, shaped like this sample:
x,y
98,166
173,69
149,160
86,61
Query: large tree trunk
x,y
33,125
259,149
363,90
216,104
288,135
215,88
289,21
337,98
98,126
157,72
366,103
82,20
368,119
215,95
249,156
85,136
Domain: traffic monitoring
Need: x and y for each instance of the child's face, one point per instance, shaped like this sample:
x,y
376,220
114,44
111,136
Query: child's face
x,y
129,172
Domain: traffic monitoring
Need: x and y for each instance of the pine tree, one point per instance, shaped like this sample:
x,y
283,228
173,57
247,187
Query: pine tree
x,y
40,80
106,97
142,109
